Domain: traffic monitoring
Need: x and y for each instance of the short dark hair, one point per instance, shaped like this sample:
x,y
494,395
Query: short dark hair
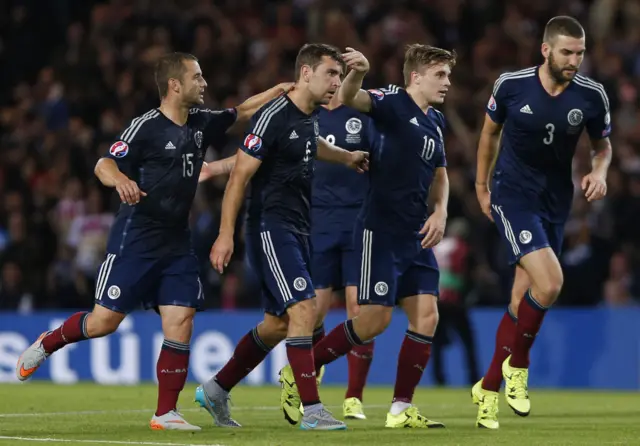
x,y
312,53
170,66
419,55
563,26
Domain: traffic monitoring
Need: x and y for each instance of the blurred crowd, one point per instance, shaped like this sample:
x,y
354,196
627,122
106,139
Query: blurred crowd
x,y
74,72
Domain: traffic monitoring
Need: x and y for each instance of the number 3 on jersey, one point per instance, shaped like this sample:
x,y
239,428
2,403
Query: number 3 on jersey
x,y
550,129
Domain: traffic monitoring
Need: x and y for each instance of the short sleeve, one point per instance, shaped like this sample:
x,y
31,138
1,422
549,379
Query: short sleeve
x,y
496,107
263,129
217,122
128,149
441,160
383,103
599,124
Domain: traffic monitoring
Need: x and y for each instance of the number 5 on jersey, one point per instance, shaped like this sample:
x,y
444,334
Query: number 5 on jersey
x,y
187,165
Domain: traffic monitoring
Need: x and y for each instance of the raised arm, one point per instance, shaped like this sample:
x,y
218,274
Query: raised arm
x,y
245,167
357,160
248,108
487,152
351,92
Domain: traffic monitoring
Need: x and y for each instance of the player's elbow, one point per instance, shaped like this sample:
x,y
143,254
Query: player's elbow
x,y
98,169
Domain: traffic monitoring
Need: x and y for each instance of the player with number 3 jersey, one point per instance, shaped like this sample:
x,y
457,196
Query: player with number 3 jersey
x,y
541,113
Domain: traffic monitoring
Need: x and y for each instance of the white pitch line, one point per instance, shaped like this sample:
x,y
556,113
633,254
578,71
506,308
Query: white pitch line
x,y
67,440
133,411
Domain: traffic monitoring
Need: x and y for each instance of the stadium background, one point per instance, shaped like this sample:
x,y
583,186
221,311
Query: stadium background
x,y
74,72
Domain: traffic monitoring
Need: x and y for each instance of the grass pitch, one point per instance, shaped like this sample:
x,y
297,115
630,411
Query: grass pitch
x,y
43,413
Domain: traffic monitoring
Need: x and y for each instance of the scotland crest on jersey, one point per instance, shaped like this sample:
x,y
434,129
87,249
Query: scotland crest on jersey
x,y
575,117
198,139
353,127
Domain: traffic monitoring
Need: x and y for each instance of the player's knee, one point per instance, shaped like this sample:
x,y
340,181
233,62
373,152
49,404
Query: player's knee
x,y
323,303
426,323
102,321
550,289
353,309
303,315
177,323
102,324
372,321
272,330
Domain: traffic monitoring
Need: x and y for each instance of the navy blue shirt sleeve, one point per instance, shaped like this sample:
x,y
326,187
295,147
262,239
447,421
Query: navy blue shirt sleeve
x,y
441,159
215,124
497,107
599,124
128,149
382,103
261,138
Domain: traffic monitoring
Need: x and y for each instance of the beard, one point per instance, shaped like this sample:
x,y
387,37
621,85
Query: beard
x,y
557,72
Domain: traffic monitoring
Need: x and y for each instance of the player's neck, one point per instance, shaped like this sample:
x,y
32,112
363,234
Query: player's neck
x,y
551,86
418,98
175,112
303,100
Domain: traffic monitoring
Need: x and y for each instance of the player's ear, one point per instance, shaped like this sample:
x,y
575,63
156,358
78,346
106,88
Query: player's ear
x,y
174,85
545,49
415,77
305,73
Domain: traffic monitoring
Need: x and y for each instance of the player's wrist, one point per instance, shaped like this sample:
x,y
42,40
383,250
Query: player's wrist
x,y
226,232
482,186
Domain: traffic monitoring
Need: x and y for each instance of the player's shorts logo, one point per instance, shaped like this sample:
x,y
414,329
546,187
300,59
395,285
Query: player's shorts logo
x,y
253,142
377,93
525,237
381,288
607,119
353,126
575,117
119,149
300,284
492,104
113,292
198,139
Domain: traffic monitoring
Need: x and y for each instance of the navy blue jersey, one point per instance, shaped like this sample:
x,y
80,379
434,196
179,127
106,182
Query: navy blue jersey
x,y
165,160
407,150
539,139
338,192
286,141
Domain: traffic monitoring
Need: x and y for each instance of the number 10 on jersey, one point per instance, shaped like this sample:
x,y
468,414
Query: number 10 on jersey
x,y
429,148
